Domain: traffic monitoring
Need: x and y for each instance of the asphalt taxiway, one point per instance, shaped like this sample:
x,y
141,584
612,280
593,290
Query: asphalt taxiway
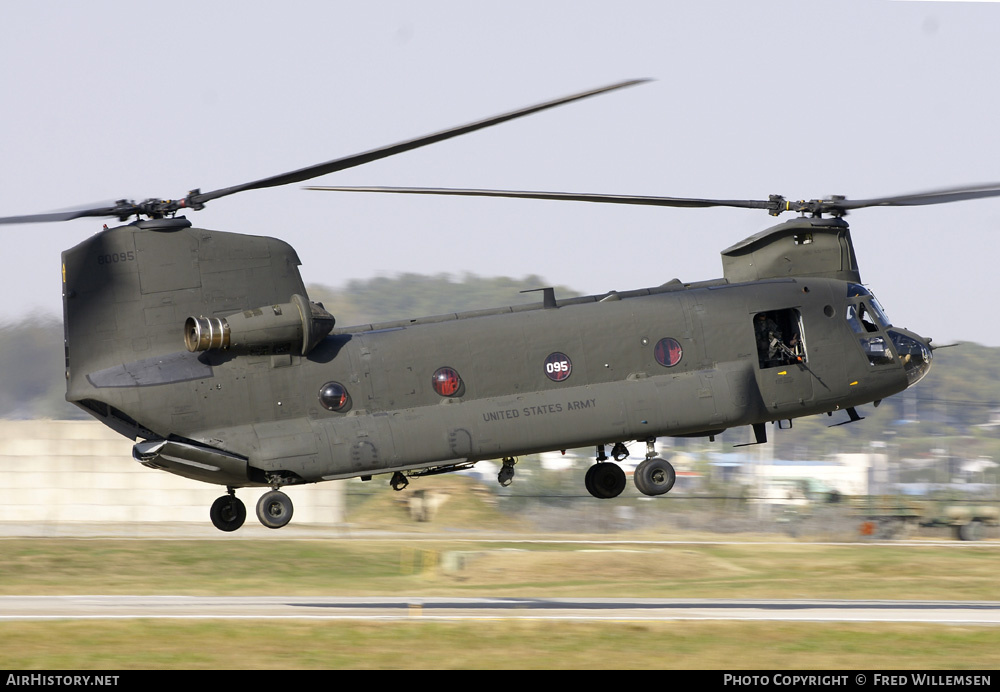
x,y
422,608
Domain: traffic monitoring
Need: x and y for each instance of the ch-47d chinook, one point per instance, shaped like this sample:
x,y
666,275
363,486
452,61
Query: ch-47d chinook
x,y
205,348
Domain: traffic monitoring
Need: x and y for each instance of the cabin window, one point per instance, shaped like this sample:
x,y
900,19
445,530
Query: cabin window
x,y
558,366
447,382
779,338
668,352
334,397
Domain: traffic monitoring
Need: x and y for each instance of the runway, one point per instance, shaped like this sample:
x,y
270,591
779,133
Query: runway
x,y
417,609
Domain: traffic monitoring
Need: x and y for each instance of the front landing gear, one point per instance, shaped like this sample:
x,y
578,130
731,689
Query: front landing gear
x,y
228,512
654,476
274,509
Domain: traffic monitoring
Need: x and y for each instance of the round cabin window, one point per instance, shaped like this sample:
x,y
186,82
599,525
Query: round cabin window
x,y
447,382
668,352
334,397
558,367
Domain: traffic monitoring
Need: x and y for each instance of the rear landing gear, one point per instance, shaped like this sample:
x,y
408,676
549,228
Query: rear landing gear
x,y
274,509
605,480
228,512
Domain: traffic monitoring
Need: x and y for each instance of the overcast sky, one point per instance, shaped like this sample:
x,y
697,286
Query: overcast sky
x,y
803,98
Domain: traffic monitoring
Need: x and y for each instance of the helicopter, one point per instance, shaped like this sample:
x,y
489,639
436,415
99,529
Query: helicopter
x,y
204,348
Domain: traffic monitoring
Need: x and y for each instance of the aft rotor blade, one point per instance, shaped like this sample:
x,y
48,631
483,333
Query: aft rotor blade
x,y
771,205
921,198
774,205
393,149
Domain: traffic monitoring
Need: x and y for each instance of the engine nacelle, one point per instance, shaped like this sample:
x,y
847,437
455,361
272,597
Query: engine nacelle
x,y
298,325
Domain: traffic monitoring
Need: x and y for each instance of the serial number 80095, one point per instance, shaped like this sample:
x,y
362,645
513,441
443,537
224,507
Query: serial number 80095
x,y
116,257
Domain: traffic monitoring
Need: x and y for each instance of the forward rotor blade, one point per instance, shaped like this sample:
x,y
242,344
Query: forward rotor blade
x,y
62,215
391,150
771,205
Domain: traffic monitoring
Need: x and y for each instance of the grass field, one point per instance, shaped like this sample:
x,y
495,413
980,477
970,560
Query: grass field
x,y
442,567
387,567
116,645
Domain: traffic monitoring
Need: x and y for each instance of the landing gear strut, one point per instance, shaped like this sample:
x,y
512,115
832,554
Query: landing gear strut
x,y
228,512
398,481
619,451
506,475
653,476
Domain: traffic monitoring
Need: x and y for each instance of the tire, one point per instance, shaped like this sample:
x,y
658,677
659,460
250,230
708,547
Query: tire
x,y
638,478
654,477
228,513
588,480
606,480
969,532
274,509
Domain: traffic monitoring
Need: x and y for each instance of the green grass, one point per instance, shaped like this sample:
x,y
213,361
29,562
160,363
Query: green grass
x,y
398,567
496,645
359,567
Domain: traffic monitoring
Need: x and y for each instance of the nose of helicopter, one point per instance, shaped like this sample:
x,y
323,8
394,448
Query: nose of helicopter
x,y
915,353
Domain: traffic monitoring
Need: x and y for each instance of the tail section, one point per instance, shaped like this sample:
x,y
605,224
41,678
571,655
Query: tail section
x,y
127,293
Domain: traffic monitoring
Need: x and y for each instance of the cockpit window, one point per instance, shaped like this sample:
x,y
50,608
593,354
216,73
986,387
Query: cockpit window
x,y
852,319
866,319
880,315
877,350
916,357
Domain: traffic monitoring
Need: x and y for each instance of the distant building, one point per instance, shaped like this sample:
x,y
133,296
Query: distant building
x,y
82,471
782,482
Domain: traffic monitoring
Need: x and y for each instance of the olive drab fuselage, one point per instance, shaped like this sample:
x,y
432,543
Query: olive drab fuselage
x,y
442,392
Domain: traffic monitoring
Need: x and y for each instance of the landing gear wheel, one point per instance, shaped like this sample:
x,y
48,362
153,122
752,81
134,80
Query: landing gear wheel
x,y
588,480
274,509
969,532
605,480
228,513
654,477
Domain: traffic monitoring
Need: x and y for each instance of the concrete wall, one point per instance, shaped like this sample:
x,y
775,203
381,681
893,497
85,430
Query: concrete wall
x,y
66,471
